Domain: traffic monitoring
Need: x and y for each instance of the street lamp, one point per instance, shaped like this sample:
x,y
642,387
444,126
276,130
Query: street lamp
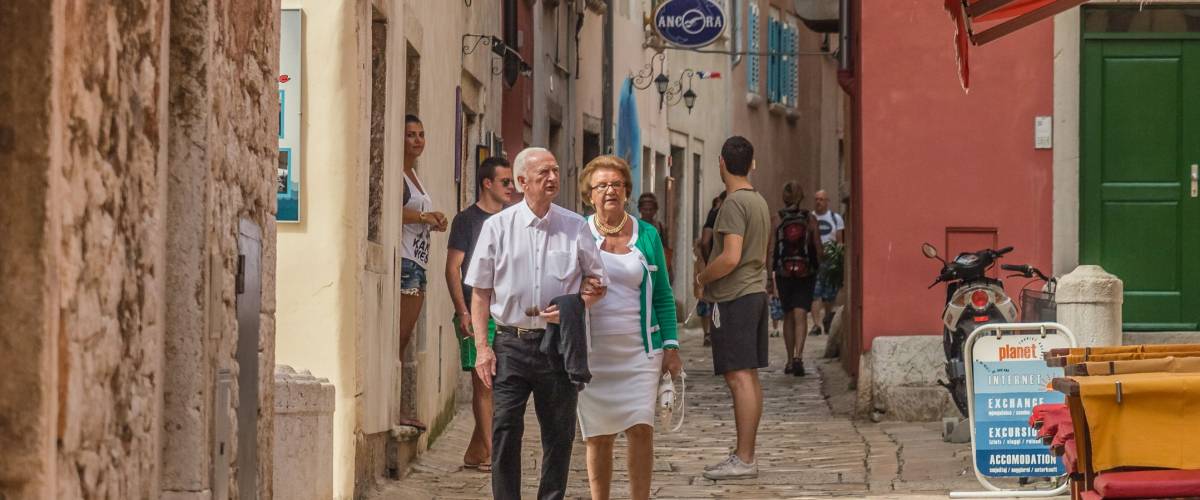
x,y
689,99
676,93
660,82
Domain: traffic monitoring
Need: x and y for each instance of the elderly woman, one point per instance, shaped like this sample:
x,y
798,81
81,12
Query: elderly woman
x,y
633,332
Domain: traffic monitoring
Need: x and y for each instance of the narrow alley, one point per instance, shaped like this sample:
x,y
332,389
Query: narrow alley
x,y
808,446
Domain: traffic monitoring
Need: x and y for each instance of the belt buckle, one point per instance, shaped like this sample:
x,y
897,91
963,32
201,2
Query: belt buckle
x,y
522,332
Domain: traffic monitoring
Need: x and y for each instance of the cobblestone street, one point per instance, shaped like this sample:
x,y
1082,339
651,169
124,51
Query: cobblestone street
x,y
808,446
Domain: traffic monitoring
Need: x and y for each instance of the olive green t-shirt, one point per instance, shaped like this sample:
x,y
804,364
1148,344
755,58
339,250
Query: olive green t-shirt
x,y
744,213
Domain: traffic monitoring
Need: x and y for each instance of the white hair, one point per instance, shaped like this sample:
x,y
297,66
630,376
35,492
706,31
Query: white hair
x,y
521,162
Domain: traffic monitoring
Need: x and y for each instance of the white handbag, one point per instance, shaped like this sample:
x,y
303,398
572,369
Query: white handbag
x,y
667,402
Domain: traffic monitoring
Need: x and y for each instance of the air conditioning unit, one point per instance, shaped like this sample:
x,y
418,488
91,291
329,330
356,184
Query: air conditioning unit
x,y
821,16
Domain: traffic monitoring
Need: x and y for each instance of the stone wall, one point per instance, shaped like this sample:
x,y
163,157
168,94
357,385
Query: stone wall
x,y
102,396
109,190
28,339
223,139
303,435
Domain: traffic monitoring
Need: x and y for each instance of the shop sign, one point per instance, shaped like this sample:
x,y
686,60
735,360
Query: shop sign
x,y
1010,377
690,23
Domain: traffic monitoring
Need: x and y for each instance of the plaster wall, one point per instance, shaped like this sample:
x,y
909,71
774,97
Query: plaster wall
x,y
933,156
321,257
791,143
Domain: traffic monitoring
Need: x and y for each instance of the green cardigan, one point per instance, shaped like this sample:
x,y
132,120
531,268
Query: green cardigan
x,y
658,301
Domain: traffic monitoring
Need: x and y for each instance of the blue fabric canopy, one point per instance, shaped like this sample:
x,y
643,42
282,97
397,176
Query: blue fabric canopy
x,y
629,134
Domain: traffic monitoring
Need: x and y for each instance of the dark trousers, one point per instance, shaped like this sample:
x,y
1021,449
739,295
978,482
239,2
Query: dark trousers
x,y
522,370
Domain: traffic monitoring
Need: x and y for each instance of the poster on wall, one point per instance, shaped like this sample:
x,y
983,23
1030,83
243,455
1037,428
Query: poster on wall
x,y
288,188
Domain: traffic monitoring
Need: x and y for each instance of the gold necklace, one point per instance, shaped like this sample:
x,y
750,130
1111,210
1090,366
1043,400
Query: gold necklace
x,y
608,230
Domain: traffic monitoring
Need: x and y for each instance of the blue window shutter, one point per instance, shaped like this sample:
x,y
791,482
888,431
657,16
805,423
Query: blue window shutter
x,y
752,34
792,67
772,60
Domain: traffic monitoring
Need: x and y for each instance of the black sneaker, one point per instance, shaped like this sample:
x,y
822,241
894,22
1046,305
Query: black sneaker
x,y
788,368
798,369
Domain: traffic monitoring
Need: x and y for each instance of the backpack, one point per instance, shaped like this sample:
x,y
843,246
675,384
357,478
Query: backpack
x,y
793,245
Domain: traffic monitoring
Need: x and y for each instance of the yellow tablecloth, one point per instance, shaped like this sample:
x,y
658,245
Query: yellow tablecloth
x,y
1157,423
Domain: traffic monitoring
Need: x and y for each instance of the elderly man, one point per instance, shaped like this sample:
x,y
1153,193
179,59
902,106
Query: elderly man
x,y
526,256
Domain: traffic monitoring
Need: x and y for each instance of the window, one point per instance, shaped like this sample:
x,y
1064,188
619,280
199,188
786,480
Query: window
x,y
753,47
782,65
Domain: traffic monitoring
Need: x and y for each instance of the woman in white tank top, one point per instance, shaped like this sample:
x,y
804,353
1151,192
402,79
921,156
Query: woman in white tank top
x,y
419,219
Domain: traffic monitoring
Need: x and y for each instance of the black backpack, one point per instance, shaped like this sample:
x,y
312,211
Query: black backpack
x,y
793,245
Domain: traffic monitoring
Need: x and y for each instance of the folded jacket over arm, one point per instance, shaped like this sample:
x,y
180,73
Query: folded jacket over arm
x,y
567,340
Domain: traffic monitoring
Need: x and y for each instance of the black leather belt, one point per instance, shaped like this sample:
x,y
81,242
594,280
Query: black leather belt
x,y
521,333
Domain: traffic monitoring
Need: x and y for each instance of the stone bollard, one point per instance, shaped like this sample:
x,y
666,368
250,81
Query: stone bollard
x,y
303,436
1089,303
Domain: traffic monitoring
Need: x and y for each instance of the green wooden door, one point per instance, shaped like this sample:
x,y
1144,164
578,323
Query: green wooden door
x,y
1140,132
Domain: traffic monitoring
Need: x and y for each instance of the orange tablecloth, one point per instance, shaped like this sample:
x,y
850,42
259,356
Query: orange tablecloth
x,y
1166,365
1157,423
1083,358
1135,348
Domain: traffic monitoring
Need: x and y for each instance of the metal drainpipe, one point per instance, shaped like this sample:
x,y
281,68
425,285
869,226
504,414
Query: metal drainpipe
x,y
844,35
606,97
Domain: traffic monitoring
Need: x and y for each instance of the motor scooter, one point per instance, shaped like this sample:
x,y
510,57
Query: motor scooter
x,y
973,298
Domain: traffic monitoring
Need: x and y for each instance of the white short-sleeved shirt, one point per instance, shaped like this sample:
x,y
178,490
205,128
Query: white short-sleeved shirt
x,y
828,225
526,260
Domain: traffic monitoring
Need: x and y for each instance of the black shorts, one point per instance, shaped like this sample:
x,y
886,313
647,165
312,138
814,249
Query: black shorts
x,y
796,293
739,334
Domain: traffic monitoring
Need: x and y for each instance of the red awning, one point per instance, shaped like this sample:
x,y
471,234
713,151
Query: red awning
x,y
996,18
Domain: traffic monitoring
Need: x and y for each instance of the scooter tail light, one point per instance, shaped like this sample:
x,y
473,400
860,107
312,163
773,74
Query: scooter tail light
x,y
980,299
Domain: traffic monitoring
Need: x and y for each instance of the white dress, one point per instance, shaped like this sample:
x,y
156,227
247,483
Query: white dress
x,y
624,383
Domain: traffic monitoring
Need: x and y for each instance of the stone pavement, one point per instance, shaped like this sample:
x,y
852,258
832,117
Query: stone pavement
x,y
808,446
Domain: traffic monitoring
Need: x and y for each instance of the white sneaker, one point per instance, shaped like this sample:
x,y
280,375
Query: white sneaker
x,y
720,464
733,468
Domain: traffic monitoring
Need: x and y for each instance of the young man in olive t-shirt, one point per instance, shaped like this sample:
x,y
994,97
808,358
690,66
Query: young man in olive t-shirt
x,y
735,283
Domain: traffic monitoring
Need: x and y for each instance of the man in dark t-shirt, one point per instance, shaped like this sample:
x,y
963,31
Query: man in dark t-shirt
x,y
495,182
703,247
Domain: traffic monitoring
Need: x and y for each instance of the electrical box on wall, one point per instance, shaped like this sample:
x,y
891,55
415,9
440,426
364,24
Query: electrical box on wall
x,y
1043,132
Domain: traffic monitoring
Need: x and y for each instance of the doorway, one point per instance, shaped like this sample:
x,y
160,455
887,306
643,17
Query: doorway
x,y
1139,162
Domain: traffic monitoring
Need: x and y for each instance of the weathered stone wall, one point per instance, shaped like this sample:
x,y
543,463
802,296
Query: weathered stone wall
x,y
303,435
91,198
110,81
224,109
27,337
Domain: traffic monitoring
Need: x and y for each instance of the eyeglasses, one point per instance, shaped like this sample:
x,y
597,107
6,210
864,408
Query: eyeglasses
x,y
618,185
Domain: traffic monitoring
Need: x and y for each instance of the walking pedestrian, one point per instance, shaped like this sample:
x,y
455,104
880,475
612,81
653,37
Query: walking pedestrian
x,y
792,276
634,338
528,255
702,248
418,219
495,183
832,230
735,283
648,211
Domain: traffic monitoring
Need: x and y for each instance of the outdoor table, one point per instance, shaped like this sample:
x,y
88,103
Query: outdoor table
x,y
1139,419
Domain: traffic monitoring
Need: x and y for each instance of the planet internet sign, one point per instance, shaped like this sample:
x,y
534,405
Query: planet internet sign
x,y
690,23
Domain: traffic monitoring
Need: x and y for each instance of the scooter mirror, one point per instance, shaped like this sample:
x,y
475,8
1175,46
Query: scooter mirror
x,y
929,251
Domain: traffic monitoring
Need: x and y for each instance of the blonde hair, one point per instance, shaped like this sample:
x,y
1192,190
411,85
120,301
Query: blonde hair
x,y
606,162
